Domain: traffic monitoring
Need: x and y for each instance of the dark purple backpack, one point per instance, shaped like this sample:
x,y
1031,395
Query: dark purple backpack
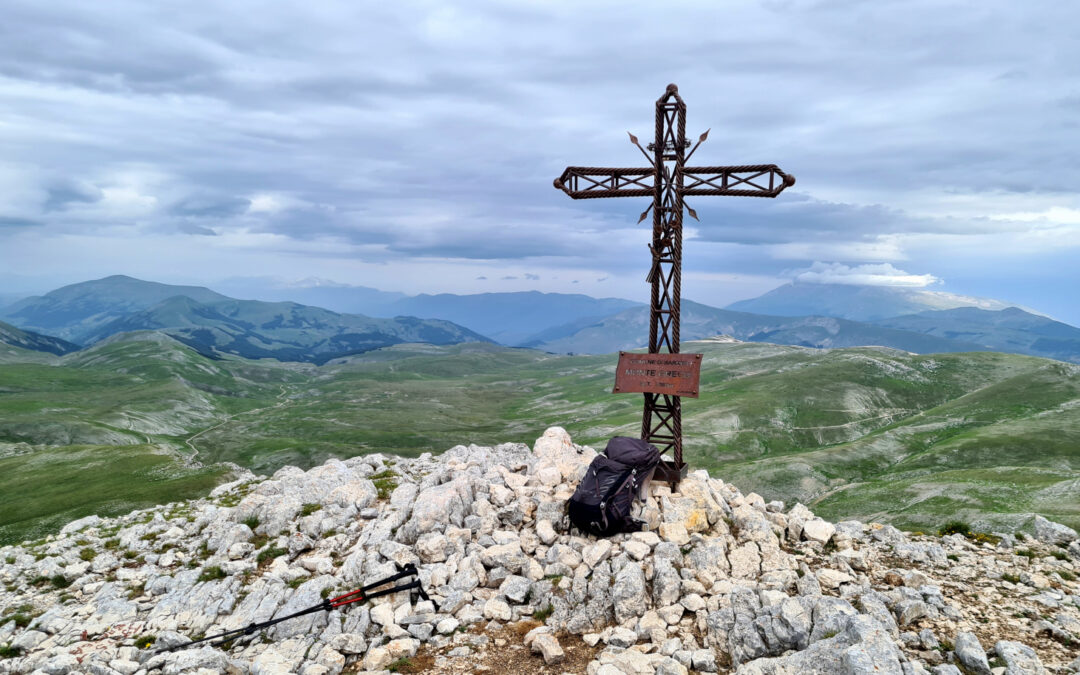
x,y
602,502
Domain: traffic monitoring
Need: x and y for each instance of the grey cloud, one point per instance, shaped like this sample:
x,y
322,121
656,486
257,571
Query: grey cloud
x,y
210,206
192,228
67,192
16,222
439,132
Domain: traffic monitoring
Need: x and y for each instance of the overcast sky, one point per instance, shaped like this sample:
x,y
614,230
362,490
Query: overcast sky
x,y
411,146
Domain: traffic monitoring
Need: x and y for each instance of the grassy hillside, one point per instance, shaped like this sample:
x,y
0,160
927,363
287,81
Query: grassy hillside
x,y
859,432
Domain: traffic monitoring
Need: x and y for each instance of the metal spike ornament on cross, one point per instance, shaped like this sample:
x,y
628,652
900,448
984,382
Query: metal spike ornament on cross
x,y
669,181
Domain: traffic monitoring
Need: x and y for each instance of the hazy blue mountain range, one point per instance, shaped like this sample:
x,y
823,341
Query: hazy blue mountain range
x,y
282,330
341,298
214,324
1009,330
10,335
77,311
562,323
511,318
857,303
630,330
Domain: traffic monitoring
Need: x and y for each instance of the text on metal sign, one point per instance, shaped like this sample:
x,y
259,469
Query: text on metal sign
x,y
672,374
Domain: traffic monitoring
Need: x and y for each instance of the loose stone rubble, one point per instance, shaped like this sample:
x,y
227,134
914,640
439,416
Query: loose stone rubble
x,y
720,582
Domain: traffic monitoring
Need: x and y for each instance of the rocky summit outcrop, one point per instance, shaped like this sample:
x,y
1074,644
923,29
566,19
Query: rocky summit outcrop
x,y
720,581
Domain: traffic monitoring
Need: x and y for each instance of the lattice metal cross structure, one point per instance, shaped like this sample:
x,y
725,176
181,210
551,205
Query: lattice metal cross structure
x,y
668,180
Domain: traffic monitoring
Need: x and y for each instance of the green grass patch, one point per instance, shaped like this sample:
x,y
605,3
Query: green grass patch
x,y
267,555
1011,578
309,508
45,489
212,573
145,641
385,482
543,613
87,554
10,652
252,522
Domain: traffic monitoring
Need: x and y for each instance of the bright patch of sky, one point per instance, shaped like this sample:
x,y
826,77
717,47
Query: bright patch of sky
x,y
411,146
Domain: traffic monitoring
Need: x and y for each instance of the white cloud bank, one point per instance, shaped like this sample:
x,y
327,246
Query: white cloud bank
x,y
863,275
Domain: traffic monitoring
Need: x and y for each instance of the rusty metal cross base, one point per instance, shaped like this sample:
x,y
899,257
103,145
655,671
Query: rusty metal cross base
x,y
669,472
668,180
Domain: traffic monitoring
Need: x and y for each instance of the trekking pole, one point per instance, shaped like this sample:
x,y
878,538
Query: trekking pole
x,y
359,595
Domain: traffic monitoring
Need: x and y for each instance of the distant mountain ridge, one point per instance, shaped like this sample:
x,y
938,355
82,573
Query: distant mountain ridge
x,y
215,324
16,337
512,319
282,330
1009,330
630,329
857,302
77,311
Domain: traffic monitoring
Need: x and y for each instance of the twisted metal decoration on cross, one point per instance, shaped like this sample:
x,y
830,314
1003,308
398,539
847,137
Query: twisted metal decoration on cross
x,y
668,181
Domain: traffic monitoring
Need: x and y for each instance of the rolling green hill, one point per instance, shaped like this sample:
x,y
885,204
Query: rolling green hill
x,y
862,432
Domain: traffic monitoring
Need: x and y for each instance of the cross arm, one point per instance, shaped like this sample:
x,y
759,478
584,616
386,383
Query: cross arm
x,y
583,182
756,180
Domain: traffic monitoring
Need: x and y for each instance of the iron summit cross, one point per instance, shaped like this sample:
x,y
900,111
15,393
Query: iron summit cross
x,y
668,181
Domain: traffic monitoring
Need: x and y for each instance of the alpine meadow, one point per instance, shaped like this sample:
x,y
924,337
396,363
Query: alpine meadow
x,y
869,433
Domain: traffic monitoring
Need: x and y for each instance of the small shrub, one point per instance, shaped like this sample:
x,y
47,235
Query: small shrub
x,y
953,557
1011,578
1066,575
1020,536
112,543
329,533
59,581
39,580
82,542
212,573
130,555
252,522
325,593
10,560
955,527
1060,555
145,641
259,540
88,554
297,582
309,508
543,613
984,538
402,665
1027,553
268,554
10,652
